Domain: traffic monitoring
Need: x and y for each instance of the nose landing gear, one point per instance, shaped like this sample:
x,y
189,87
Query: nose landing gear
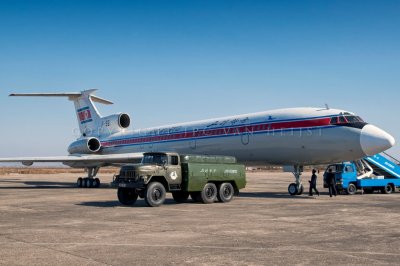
x,y
296,188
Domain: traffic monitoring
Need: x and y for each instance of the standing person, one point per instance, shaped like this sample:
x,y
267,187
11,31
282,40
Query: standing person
x,y
313,183
331,180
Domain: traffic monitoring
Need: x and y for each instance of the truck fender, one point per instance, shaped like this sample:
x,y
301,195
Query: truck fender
x,y
160,179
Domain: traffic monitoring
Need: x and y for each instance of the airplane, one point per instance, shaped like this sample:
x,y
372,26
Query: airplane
x,y
292,137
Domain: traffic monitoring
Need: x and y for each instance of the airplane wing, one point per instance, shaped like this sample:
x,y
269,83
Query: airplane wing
x,y
80,161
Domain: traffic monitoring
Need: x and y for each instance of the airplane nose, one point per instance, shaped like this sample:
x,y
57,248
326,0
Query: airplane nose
x,y
374,140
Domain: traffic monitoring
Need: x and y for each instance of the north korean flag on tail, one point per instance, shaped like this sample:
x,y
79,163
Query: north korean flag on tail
x,y
85,115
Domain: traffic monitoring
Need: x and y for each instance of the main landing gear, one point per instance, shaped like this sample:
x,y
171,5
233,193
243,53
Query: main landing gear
x,y
296,188
91,181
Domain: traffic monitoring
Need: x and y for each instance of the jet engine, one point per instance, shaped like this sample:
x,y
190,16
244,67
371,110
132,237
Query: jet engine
x,y
85,146
115,123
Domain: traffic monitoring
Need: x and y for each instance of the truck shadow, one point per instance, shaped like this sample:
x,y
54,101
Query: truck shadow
x,y
112,204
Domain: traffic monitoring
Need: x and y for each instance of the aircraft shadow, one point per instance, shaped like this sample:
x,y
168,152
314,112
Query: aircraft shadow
x,y
44,185
274,195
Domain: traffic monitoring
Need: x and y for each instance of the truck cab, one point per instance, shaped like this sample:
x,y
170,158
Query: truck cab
x,y
345,175
162,167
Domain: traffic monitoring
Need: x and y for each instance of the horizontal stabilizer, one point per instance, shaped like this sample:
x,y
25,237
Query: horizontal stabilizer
x,y
71,95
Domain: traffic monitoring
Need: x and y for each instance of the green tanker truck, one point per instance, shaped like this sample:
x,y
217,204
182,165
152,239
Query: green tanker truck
x,y
204,178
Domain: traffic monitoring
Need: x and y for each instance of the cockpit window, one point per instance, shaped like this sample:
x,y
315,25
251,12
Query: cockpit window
x,y
348,120
342,120
352,119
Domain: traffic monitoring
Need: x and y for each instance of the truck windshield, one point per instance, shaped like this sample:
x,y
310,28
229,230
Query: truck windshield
x,y
154,159
336,168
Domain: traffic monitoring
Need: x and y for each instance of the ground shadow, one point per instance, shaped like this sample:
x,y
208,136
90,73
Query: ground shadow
x,y
274,195
46,185
140,203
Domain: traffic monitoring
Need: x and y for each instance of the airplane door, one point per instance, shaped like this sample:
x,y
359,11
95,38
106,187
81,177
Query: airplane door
x,y
193,144
245,136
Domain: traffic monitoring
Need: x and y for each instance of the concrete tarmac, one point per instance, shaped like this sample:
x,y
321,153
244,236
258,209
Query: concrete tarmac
x,y
45,220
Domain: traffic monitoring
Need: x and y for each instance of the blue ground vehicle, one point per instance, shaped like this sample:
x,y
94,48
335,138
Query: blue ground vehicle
x,y
378,172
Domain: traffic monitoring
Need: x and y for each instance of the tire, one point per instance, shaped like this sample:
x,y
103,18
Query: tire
x,y
96,182
292,189
301,190
155,194
225,192
351,189
388,189
79,182
127,196
196,196
180,196
209,193
87,183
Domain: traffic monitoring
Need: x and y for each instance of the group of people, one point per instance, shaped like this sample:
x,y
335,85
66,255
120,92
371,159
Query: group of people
x,y
330,180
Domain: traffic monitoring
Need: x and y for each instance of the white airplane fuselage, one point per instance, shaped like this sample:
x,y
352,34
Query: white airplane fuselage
x,y
295,136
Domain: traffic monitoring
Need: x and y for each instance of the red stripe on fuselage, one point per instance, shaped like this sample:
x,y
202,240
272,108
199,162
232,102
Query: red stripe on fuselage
x,y
222,131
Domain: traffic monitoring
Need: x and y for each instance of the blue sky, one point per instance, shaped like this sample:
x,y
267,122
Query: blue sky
x,y
176,61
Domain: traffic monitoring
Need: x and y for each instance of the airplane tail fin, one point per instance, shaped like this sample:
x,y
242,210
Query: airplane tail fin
x,y
89,119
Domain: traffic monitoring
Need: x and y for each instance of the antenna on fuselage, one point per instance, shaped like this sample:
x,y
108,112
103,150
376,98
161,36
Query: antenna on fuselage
x,y
327,106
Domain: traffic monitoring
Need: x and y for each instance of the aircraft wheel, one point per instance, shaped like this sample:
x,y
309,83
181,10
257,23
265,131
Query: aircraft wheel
x,y
225,192
127,196
180,196
300,190
292,189
79,182
155,194
209,193
96,182
387,189
351,189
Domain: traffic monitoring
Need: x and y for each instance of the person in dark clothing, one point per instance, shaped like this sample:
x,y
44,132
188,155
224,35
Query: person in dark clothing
x,y
331,180
313,183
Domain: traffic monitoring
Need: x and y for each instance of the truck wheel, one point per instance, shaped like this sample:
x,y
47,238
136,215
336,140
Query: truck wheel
x,y
196,196
209,193
155,194
181,196
225,192
351,189
127,196
292,189
387,189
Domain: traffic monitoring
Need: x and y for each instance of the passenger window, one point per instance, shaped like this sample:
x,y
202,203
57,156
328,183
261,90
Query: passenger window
x,y
349,169
174,160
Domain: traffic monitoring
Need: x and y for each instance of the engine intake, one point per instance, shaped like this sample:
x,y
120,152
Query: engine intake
x,y
85,146
124,121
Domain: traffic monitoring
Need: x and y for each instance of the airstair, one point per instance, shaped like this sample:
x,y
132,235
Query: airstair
x,y
384,165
